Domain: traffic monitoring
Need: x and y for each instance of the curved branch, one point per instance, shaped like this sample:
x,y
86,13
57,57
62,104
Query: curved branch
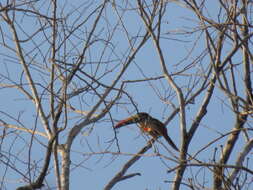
x,y
39,181
121,174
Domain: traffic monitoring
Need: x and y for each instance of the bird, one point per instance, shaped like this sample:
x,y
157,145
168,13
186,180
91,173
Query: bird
x,y
149,125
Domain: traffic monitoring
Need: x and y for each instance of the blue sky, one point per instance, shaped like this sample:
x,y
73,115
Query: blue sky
x,y
90,168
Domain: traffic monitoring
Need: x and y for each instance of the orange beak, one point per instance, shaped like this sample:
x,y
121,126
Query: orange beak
x,y
124,122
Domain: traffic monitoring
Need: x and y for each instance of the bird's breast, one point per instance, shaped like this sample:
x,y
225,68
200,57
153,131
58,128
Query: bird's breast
x,y
144,126
147,127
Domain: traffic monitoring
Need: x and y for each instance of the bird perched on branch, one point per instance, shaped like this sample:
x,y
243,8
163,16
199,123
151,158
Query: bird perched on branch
x,y
149,125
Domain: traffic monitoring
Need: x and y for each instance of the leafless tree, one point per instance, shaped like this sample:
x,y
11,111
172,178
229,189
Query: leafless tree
x,y
71,69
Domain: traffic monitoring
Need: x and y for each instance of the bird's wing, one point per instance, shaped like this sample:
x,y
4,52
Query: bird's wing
x,y
160,128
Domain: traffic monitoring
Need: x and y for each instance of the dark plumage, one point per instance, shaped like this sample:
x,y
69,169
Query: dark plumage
x,y
149,125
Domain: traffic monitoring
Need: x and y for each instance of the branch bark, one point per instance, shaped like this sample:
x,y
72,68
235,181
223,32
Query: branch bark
x,y
121,174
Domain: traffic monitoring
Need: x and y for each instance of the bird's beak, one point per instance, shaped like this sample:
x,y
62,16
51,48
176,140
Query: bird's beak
x,y
124,122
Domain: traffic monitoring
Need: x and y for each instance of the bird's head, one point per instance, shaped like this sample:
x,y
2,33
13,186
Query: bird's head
x,y
139,117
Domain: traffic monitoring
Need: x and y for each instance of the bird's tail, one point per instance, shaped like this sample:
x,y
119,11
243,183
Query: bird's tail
x,y
171,143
